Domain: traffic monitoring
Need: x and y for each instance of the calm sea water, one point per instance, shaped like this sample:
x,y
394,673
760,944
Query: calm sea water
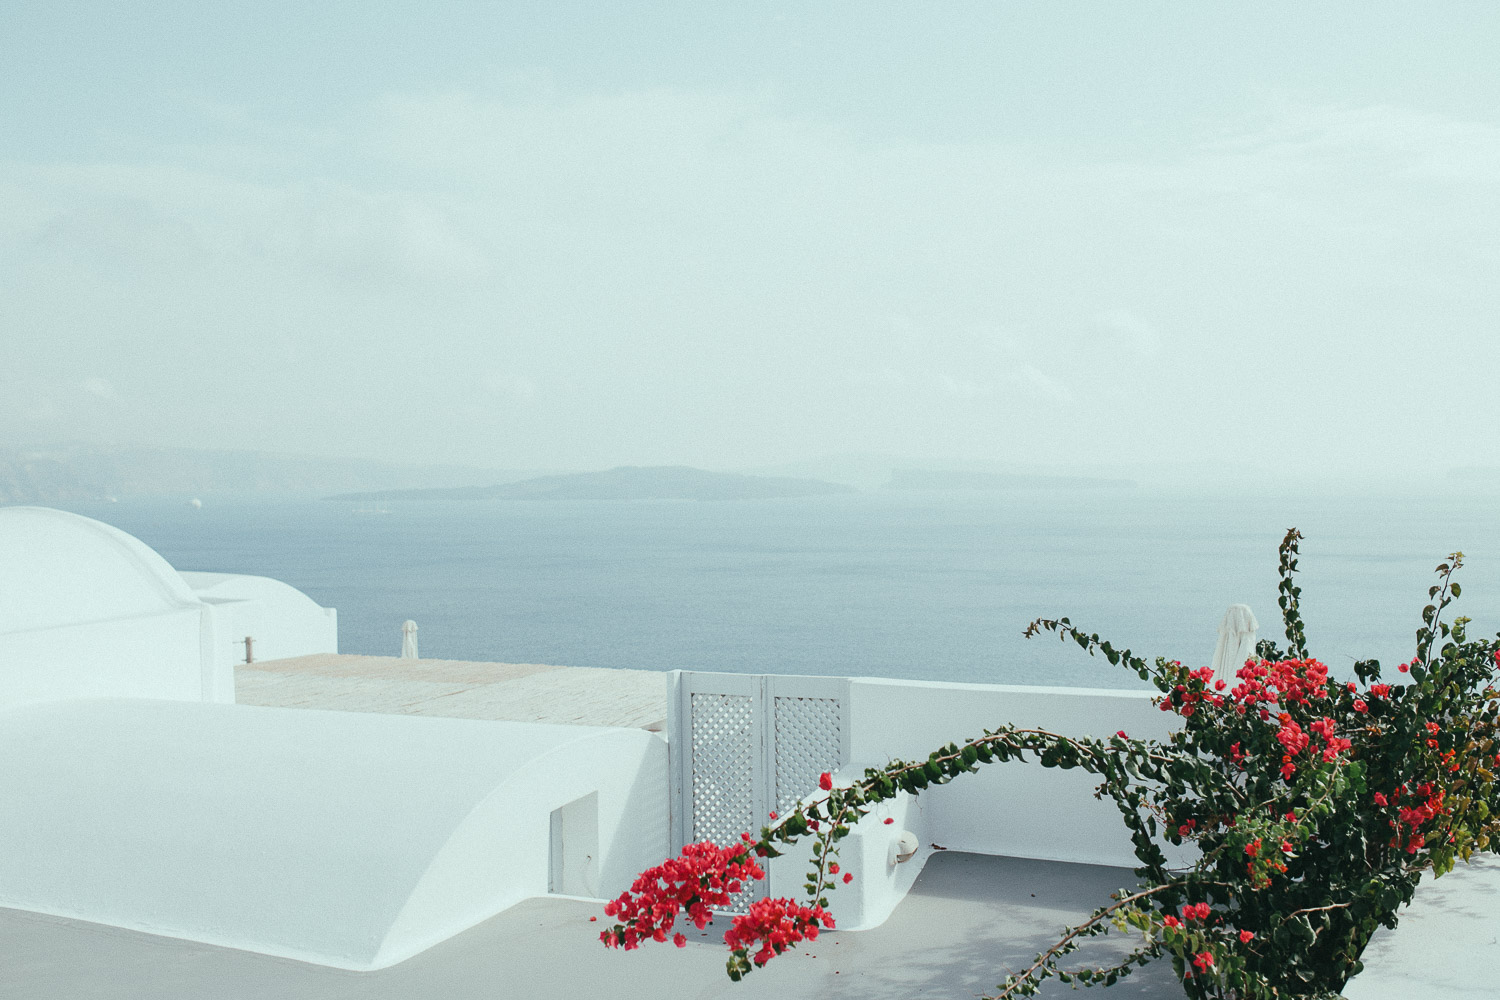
x,y
901,585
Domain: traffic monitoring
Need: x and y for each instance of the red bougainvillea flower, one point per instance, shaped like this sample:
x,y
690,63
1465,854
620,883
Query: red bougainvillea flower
x,y
1195,911
704,877
1246,936
848,878
825,781
888,821
774,925
1204,960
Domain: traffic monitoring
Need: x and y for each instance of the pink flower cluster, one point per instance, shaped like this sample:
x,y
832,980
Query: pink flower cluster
x,y
1190,912
1414,816
1184,698
1202,913
1294,740
1289,682
774,925
704,876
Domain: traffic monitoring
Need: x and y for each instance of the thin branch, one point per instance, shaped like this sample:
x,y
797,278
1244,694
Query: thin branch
x,y
1062,946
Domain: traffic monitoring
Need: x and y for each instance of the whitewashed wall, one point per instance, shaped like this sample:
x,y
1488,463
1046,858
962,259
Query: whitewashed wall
x,y
1014,809
346,839
282,620
1020,810
88,611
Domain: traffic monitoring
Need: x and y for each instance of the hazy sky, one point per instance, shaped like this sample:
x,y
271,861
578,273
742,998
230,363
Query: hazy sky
x,y
558,235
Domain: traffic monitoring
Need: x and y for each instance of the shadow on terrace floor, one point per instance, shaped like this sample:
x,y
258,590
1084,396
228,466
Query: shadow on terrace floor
x,y
966,921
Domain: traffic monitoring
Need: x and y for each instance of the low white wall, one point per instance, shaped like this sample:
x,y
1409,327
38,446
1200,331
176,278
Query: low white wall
x,y
282,620
1020,810
163,655
1014,809
346,839
880,882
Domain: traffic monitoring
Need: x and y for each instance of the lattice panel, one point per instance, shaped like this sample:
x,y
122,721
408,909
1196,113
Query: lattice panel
x,y
724,752
724,764
807,744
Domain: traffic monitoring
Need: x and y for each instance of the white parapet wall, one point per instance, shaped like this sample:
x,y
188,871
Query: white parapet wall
x,y
346,839
734,750
1015,809
281,620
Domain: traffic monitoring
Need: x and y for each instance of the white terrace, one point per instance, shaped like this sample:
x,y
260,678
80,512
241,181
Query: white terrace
x,y
372,827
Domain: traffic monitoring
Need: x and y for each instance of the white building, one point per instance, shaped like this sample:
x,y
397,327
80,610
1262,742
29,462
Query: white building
x,y
87,611
137,794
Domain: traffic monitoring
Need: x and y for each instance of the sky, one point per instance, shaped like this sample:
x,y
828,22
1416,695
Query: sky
x,y
562,235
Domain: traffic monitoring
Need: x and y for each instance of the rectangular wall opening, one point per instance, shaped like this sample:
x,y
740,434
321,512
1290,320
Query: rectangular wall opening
x,y
573,865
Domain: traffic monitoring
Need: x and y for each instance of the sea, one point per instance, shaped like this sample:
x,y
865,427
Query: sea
x,y
926,585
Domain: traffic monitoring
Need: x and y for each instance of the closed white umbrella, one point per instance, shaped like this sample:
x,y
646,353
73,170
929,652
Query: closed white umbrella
x,y
408,640
1236,643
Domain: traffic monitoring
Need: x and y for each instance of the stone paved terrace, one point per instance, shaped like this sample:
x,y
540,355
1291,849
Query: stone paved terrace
x,y
461,689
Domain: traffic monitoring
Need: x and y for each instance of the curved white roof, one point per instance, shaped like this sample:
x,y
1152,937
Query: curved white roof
x,y
347,839
225,587
60,569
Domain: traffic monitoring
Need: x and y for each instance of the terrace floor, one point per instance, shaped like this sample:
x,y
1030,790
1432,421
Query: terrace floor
x,y
967,919
461,689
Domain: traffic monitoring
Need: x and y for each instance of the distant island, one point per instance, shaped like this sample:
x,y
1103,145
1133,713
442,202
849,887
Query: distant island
x,y
628,482
935,479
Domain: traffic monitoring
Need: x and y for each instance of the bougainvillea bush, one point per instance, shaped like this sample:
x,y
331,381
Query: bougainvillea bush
x,y
1314,806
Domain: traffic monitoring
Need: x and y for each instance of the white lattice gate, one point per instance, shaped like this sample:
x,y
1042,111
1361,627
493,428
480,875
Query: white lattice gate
x,y
742,745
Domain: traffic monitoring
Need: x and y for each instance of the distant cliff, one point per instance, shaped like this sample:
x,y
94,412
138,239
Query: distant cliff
x,y
935,479
664,482
27,478
83,472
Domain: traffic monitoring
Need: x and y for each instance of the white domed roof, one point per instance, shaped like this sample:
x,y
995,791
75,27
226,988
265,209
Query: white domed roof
x,y
60,569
